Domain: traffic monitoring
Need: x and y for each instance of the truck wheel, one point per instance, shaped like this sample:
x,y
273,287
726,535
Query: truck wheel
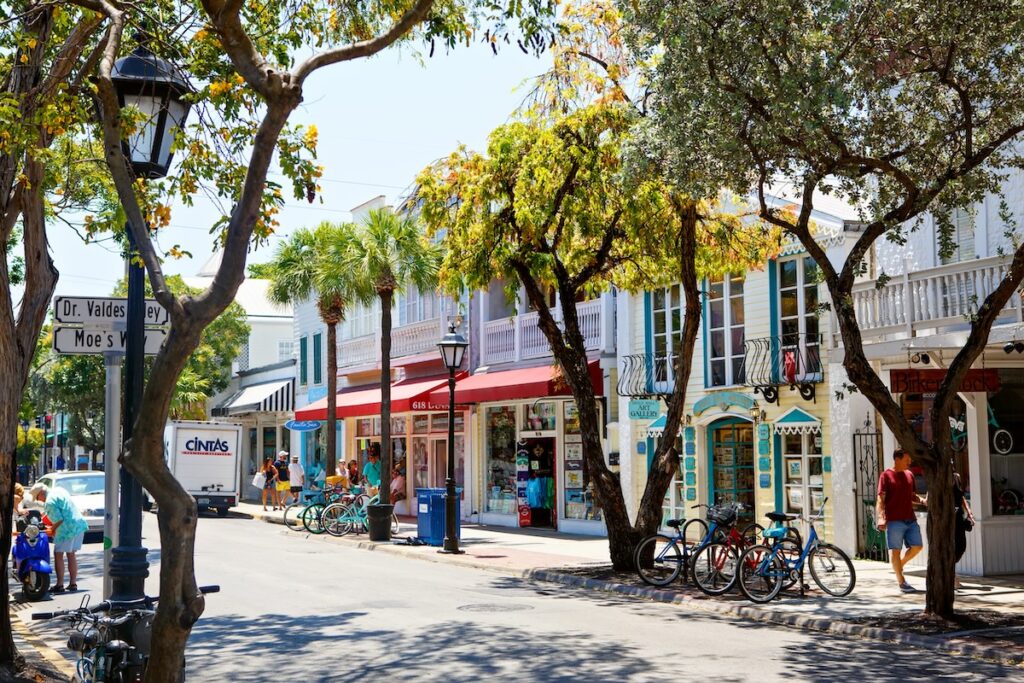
x,y
222,512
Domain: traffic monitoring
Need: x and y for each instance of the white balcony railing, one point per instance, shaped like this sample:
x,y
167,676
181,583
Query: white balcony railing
x,y
930,299
358,350
415,338
517,338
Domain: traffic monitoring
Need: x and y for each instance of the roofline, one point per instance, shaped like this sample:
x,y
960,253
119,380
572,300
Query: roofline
x,y
263,368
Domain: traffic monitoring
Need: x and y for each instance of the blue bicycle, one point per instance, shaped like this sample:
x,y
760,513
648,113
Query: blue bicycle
x,y
660,559
764,570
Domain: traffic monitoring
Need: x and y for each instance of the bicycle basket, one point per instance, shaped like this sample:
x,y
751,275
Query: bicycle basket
x,y
722,515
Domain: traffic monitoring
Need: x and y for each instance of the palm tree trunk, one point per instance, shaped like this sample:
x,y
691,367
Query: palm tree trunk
x,y
330,462
385,395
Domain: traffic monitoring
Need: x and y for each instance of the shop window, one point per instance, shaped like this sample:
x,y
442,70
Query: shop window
x,y
420,462
724,324
439,422
500,462
916,408
255,462
1006,443
420,424
539,416
270,442
802,473
580,502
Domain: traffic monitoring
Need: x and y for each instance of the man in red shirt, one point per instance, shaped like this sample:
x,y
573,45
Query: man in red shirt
x,y
895,512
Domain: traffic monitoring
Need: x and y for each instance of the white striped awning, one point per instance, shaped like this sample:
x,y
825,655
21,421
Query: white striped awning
x,y
269,397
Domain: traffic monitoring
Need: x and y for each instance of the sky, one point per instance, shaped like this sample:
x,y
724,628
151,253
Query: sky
x,y
380,120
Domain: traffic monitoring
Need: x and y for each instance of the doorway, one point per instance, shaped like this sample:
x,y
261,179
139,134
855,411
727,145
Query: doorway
x,y
731,455
540,482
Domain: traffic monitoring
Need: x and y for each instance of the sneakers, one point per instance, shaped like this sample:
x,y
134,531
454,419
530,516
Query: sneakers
x,y
907,588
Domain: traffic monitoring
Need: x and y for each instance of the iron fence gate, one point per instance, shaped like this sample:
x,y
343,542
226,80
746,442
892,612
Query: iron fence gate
x,y
867,452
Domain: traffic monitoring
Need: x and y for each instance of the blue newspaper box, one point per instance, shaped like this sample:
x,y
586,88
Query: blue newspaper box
x,y
430,516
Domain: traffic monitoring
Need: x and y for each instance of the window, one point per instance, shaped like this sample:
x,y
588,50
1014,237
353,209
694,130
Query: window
x,y
303,362
962,235
360,321
725,331
798,319
500,463
243,357
666,326
416,306
318,366
803,473
285,349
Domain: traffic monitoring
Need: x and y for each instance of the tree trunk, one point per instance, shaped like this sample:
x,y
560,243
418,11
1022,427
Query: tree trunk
x,y
386,296
9,380
331,460
941,537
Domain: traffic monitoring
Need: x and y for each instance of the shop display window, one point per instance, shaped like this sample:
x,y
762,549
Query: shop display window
x,y
364,427
439,422
1006,443
802,473
580,502
539,417
420,463
398,425
674,506
420,424
571,418
500,462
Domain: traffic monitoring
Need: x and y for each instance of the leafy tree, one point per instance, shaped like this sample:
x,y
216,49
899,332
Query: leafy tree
x,y
902,107
389,253
254,60
44,58
305,267
551,207
29,443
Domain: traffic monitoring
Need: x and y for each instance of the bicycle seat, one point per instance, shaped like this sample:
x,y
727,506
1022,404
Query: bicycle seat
x,y
780,517
674,523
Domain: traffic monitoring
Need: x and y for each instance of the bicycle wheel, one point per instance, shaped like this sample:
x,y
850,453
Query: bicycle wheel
x,y
336,519
694,532
658,560
713,568
311,518
394,524
789,554
832,570
1002,441
293,516
760,573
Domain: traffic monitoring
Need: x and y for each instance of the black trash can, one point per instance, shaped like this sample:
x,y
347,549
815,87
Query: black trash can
x,y
378,519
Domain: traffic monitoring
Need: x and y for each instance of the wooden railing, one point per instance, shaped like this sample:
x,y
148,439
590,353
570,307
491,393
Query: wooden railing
x,y
517,338
930,299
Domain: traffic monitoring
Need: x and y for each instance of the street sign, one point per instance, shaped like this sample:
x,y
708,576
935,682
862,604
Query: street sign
x,y
103,311
644,408
83,340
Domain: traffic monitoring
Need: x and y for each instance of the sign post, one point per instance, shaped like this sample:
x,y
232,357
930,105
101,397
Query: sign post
x,y
111,470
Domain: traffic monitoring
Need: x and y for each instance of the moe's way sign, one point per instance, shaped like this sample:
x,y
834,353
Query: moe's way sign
x,y
84,340
100,311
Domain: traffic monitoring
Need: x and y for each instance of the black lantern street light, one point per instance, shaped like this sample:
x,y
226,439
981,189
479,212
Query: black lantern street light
x,y
453,348
157,89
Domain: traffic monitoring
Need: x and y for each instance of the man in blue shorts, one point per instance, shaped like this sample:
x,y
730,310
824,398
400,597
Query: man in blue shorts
x,y
895,511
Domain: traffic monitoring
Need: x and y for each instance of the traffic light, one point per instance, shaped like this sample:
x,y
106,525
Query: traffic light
x,y
48,420
39,421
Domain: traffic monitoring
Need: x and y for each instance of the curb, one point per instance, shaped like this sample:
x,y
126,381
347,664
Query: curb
x,y
992,653
52,657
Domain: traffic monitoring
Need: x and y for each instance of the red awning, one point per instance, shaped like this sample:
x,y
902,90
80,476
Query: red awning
x,y
509,385
406,396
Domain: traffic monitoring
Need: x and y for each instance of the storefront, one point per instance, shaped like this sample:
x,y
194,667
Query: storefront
x,y
530,466
419,435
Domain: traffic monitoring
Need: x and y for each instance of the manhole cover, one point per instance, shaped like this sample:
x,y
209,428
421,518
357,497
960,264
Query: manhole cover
x,y
494,608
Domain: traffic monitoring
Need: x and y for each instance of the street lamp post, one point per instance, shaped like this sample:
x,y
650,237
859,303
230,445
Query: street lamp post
x,y
154,87
453,348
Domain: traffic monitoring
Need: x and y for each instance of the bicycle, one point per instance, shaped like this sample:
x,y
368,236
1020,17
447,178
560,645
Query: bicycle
x,y
113,647
1002,440
712,569
309,517
764,569
341,518
293,513
670,555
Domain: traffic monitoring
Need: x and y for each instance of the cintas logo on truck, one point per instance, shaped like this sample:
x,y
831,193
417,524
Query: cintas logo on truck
x,y
198,446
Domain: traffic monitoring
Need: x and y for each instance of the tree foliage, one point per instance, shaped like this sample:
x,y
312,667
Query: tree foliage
x,y
901,107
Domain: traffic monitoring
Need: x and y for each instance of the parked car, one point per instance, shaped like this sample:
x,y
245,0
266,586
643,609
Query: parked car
x,y
86,489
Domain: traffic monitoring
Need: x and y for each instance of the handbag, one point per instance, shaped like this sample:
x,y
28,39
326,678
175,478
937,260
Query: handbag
x,y
259,479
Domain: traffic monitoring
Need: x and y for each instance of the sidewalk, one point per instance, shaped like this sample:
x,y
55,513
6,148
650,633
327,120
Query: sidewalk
x,y
583,561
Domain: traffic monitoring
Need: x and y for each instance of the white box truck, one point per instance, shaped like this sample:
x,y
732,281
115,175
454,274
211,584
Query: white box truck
x,y
204,457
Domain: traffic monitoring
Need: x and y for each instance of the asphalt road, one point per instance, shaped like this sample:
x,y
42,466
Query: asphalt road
x,y
297,608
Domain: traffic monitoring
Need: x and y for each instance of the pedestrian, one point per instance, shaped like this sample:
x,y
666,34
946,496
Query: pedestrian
x,y
60,462
371,470
895,513
353,473
964,521
297,478
283,484
397,485
269,483
69,527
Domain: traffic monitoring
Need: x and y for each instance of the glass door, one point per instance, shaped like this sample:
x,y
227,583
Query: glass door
x,y
732,465
438,462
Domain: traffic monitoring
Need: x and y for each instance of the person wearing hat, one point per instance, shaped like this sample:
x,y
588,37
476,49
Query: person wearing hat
x,y
69,527
283,478
297,478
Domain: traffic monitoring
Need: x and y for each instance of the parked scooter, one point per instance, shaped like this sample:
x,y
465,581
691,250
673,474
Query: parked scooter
x,y
30,562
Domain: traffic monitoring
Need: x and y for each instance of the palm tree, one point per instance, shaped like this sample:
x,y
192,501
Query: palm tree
x,y
190,394
302,268
390,253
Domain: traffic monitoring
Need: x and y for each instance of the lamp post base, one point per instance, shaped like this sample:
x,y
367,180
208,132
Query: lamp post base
x,y
451,548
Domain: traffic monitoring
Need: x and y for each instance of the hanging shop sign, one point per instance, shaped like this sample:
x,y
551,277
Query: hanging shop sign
x,y
928,381
302,425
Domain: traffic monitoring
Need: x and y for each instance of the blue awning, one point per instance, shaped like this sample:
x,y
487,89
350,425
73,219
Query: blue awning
x,y
657,428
